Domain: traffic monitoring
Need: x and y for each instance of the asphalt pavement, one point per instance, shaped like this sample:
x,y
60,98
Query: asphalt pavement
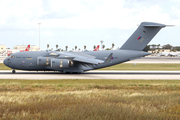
x,y
94,74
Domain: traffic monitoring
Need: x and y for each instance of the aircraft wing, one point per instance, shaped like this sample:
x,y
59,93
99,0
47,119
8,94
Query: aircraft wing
x,y
88,60
80,57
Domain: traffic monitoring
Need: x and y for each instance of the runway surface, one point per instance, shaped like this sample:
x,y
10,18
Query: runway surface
x,y
136,75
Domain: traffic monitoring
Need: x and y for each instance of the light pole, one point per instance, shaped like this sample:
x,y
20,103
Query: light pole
x,y
101,44
39,35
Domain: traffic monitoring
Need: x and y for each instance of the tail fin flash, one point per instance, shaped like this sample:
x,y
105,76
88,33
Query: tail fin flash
x,y
97,48
142,36
28,48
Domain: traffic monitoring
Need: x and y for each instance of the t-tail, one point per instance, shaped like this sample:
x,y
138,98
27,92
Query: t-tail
x,y
142,36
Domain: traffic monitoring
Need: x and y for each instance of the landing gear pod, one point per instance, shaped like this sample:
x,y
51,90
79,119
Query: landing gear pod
x,y
60,63
43,61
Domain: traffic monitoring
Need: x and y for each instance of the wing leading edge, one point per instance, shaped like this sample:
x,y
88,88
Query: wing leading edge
x,y
88,60
82,57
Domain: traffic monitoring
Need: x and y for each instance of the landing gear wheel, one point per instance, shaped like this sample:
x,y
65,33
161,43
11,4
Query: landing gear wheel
x,y
13,71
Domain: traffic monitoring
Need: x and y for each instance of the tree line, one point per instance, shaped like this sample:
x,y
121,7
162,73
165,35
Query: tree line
x,y
167,46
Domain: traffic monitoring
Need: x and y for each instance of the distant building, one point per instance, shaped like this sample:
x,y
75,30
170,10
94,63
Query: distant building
x,y
23,47
2,48
156,47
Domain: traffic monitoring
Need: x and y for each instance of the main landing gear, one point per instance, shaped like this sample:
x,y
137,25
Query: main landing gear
x,y
13,71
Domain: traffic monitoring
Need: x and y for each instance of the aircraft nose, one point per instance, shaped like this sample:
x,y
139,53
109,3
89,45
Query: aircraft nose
x,y
5,62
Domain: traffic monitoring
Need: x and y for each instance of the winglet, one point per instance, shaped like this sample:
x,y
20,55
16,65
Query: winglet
x,y
28,48
108,58
97,48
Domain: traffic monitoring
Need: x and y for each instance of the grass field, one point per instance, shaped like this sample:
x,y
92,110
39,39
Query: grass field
x,y
89,99
3,67
142,66
130,66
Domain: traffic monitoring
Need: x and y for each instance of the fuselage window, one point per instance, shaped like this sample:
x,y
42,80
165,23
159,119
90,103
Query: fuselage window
x,y
13,56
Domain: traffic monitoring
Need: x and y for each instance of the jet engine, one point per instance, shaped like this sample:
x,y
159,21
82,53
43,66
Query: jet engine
x,y
60,63
43,60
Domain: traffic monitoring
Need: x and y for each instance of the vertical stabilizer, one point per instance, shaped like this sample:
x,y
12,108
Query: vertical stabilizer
x,y
27,48
142,36
97,48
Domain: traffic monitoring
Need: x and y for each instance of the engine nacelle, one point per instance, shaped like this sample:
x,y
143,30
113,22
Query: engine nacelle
x,y
60,63
43,61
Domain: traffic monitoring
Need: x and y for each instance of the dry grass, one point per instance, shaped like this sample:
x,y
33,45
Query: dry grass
x,y
3,67
145,66
89,99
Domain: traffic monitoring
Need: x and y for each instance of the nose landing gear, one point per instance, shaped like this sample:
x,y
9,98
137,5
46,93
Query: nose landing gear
x,y
13,71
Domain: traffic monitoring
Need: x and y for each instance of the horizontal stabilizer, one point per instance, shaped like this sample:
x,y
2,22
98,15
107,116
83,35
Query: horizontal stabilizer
x,y
157,26
154,26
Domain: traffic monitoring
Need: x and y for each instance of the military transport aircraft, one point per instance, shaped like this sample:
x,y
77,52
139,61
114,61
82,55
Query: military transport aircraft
x,y
79,62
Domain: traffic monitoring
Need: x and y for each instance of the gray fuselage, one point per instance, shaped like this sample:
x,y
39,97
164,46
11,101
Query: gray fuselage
x,y
29,60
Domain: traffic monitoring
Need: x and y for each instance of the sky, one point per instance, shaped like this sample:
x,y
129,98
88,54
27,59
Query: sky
x,y
84,22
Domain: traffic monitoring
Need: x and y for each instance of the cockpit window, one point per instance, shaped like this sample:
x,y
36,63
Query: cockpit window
x,y
12,56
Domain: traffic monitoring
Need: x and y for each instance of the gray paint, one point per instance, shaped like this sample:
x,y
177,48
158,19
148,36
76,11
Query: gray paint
x,y
146,31
84,61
